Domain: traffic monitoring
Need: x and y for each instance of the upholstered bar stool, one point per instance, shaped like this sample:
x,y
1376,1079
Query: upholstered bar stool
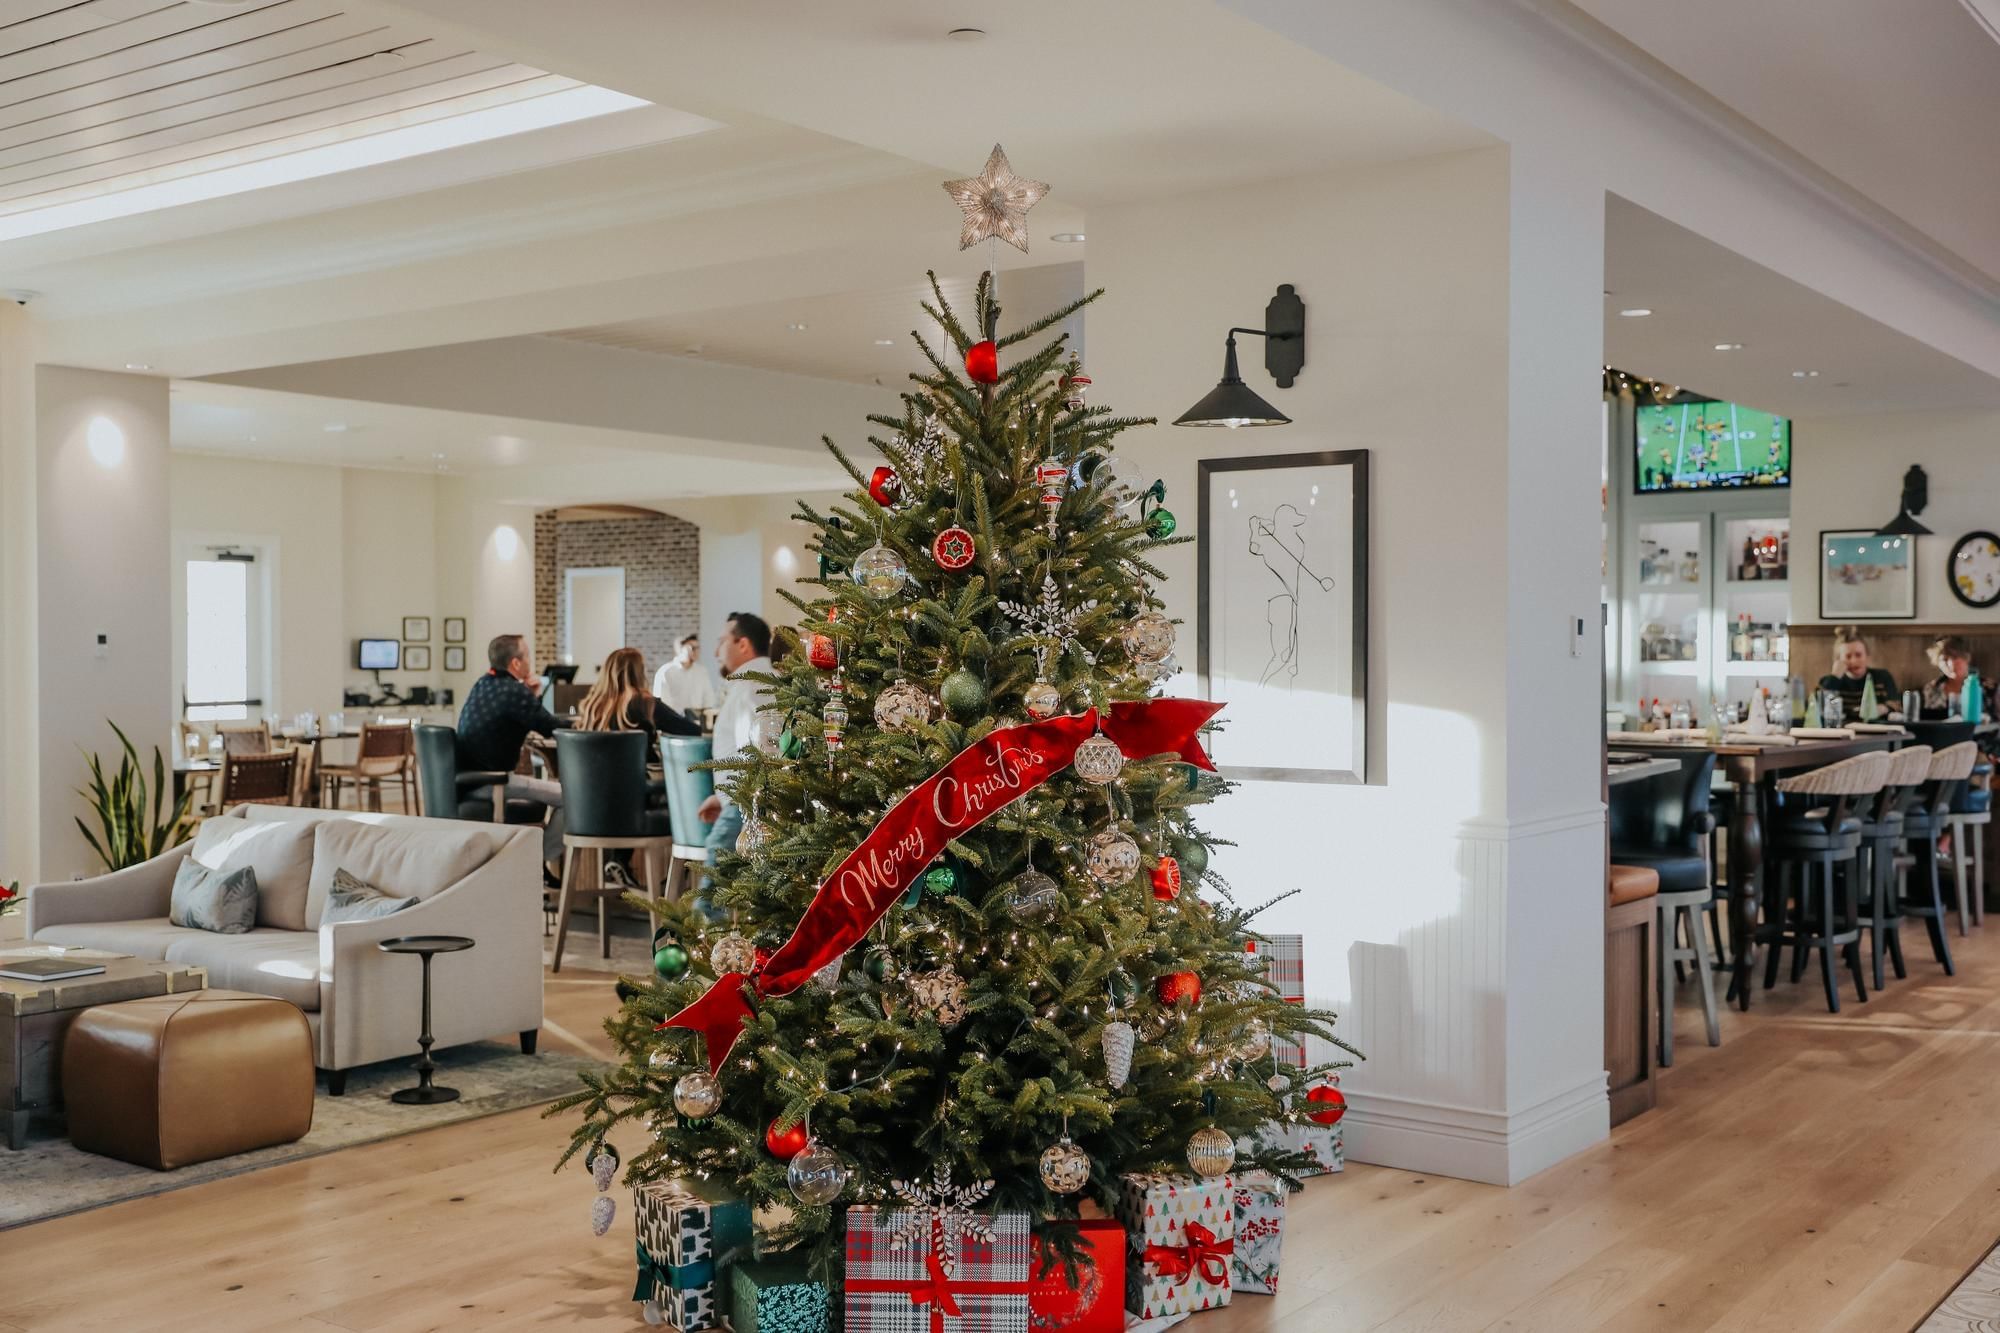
x,y
688,785
604,810
1881,839
1818,829
1971,811
1924,819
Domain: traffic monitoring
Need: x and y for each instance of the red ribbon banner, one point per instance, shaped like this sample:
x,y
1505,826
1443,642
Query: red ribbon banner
x,y
1202,1253
974,785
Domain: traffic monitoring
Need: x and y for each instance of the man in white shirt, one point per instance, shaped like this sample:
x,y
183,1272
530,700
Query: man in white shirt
x,y
745,647
684,684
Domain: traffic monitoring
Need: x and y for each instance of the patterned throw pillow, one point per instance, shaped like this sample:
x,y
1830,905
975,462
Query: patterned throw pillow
x,y
224,901
352,900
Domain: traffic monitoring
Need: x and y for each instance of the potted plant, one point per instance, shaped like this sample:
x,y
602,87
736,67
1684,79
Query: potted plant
x,y
131,827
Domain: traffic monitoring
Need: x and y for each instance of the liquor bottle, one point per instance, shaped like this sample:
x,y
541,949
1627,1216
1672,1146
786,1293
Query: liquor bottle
x,y
1739,643
1749,570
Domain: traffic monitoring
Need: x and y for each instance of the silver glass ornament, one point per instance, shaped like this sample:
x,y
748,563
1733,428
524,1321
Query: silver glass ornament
x,y
1211,1152
1041,699
767,731
1119,1041
1164,669
902,706
1112,858
816,1174
880,572
651,1312
1033,897
1123,481
828,977
1254,1042
660,1061
1148,637
733,953
697,1095
1098,759
753,837
1065,1167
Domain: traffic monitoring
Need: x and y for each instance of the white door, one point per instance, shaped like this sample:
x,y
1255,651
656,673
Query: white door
x,y
594,617
225,667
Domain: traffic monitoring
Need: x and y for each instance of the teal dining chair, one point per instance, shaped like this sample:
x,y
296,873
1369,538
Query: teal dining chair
x,y
687,787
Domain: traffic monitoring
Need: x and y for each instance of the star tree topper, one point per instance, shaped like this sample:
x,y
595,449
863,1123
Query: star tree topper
x,y
996,203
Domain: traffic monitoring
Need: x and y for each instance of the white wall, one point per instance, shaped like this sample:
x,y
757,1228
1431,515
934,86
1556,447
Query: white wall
x,y
102,560
389,533
485,562
1847,472
20,785
1415,885
753,545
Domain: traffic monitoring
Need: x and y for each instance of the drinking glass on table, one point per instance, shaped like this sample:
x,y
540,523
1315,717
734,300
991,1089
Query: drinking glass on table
x,y
1682,717
336,723
1832,710
1913,705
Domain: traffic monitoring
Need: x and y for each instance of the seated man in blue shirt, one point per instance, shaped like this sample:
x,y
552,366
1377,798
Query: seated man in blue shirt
x,y
500,710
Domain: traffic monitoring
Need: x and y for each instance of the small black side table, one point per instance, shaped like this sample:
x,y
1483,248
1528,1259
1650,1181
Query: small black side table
x,y
425,1093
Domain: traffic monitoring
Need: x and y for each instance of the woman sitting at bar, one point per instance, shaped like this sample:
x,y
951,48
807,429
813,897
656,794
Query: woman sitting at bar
x,y
1952,656
619,701
1851,674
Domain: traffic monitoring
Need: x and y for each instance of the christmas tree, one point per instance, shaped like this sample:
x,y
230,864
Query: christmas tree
x,y
1050,1001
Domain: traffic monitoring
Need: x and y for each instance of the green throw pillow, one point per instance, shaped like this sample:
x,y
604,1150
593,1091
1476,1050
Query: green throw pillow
x,y
352,900
224,901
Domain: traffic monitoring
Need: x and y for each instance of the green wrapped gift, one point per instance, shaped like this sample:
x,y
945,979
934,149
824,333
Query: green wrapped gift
x,y
776,1296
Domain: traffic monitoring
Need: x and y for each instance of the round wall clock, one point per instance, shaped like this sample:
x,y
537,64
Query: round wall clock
x,y
1974,569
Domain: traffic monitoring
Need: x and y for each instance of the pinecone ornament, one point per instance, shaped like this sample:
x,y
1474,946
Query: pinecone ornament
x,y
1119,1041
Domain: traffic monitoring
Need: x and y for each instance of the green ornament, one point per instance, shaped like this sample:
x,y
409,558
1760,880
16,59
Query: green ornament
x,y
915,894
878,965
789,744
670,961
963,693
1121,987
1161,524
941,880
1192,855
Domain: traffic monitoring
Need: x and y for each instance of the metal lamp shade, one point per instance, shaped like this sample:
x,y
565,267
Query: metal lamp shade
x,y
1902,525
1231,402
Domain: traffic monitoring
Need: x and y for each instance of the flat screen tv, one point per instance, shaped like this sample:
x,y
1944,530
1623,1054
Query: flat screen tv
x,y
1710,446
378,654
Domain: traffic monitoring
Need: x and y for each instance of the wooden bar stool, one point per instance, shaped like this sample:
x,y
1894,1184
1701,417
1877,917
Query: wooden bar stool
x,y
1827,837
1882,834
604,810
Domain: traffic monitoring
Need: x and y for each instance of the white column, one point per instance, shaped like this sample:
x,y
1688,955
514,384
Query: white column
x,y
20,811
101,538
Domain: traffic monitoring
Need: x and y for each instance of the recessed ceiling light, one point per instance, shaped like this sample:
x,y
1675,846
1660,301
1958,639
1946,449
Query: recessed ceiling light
x,y
1729,347
967,35
1067,237
885,342
796,328
137,365
1805,374
336,427
439,455
1636,312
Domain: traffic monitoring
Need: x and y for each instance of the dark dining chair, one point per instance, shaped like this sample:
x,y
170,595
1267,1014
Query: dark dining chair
x,y
449,793
1816,835
1663,825
604,810
1917,870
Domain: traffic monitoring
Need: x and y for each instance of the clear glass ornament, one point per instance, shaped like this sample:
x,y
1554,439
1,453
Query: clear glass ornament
x,y
816,1174
902,706
697,1095
880,572
1119,1041
1211,1152
1148,637
660,1061
833,719
1033,897
1041,699
1065,1167
1098,759
767,731
1163,669
652,1313
753,836
1124,483
1113,858
732,953
1254,1042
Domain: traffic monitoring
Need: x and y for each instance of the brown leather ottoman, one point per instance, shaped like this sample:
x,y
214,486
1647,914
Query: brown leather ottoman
x,y
174,1079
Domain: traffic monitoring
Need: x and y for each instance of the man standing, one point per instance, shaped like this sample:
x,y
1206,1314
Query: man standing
x,y
684,684
500,710
745,648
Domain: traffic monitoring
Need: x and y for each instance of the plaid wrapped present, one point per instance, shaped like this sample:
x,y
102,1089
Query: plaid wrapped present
x,y
1320,1142
960,1282
1095,1303
1284,960
1182,1233
1260,1231
776,1296
686,1230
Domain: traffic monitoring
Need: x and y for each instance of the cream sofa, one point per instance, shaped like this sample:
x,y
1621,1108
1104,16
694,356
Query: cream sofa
x,y
478,880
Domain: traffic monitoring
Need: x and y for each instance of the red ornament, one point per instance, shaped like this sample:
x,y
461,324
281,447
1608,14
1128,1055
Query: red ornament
x,y
1174,987
885,488
1167,879
821,652
785,1144
1331,1101
953,548
982,362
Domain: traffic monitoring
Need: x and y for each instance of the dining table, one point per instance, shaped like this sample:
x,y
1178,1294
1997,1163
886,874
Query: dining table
x,y
1751,764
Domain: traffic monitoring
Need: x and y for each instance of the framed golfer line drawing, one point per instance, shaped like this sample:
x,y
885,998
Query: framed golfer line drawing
x,y
1281,631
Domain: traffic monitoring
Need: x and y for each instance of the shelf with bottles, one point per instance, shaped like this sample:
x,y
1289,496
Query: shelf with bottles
x,y
1669,631
1757,550
1670,555
1756,641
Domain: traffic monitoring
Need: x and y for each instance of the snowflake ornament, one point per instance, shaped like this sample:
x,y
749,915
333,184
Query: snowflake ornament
x,y
926,452
1049,619
940,1214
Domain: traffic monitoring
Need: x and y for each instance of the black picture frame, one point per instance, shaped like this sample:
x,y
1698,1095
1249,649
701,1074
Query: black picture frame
x,y
1351,766
1851,611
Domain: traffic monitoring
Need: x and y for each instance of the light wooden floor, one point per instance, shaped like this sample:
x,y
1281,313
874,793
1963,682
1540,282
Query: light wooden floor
x,y
1815,1173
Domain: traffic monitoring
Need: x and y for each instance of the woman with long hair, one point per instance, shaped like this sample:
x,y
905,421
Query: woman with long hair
x,y
619,701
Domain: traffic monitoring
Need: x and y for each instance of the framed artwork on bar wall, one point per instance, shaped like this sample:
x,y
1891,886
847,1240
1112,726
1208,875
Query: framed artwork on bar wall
x,y
416,657
454,657
454,629
416,629
1282,614
1863,576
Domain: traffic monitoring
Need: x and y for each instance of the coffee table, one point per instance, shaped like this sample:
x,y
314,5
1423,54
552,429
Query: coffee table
x,y
34,1016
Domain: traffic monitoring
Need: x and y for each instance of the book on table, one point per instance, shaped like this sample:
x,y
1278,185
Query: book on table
x,y
47,969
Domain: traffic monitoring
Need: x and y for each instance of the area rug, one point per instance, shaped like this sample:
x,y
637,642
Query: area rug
x,y
48,1178
1974,1304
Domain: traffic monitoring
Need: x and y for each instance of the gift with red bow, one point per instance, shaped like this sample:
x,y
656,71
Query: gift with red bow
x,y
1183,1235
936,1270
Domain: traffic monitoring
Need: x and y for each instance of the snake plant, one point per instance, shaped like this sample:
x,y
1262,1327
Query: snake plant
x,y
128,812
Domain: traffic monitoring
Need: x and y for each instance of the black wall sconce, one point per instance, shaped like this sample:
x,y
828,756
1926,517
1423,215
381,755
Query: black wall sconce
x,y
1916,495
1232,403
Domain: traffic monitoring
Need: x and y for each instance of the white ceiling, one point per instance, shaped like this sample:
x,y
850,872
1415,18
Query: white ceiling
x,y
1899,99
1702,294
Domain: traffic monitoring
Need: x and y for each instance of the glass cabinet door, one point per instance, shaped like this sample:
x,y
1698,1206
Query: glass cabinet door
x,y
1755,606
1670,605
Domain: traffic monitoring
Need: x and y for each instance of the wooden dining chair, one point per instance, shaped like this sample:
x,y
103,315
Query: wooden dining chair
x,y
257,779
387,753
200,785
244,737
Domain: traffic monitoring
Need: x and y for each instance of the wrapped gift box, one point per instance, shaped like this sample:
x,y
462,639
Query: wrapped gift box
x,y
1095,1303
1284,962
984,1289
1181,1233
1320,1142
686,1231
1260,1231
776,1296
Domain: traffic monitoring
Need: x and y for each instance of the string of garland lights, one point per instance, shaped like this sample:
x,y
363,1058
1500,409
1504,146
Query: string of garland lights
x,y
1644,391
